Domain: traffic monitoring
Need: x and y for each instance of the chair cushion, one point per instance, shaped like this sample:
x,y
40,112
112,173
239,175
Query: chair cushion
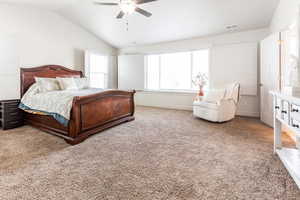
x,y
215,95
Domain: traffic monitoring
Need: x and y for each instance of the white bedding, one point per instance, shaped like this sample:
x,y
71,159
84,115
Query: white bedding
x,y
54,102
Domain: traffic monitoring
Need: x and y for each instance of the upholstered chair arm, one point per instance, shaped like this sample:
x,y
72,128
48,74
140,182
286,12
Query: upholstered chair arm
x,y
227,108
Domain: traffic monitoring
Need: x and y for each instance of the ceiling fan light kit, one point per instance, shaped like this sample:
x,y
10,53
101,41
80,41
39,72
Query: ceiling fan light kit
x,y
128,7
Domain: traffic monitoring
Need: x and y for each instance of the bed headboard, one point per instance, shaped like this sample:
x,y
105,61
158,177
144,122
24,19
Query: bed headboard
x,y
47,71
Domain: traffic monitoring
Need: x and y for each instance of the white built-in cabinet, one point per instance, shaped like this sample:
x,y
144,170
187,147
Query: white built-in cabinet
x,y
287,113
277,109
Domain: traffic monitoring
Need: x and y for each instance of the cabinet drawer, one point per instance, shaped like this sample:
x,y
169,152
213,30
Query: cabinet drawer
x,y
295,124
8,108
11,116
278,107
11,124
285,111
295,111
13,104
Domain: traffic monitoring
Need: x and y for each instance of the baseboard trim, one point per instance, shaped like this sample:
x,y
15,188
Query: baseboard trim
x,y
176,107
248,113
190,108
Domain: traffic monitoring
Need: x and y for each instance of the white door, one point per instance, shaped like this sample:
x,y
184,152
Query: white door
x,y
269,75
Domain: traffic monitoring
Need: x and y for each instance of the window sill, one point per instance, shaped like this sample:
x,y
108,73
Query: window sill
x,y
192,92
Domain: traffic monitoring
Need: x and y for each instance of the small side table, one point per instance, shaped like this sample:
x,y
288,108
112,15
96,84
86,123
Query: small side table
x,y
10,115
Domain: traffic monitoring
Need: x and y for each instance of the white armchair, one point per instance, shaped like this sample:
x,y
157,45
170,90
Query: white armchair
x,y
218,105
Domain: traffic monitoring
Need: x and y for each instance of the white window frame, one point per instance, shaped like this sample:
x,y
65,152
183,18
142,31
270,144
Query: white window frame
x,y
105,78
191,90
87,71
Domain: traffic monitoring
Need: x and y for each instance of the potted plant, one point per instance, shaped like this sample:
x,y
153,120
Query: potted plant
x,y
200,81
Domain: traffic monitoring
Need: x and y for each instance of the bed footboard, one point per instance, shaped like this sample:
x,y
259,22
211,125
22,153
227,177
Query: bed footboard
x,y
94,113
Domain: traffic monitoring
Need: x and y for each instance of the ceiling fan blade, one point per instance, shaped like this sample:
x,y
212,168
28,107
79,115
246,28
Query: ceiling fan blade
x,y
106,4
143,1
143,12
120,15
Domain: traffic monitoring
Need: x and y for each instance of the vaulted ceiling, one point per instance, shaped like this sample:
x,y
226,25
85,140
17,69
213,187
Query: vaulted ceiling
x,y
171,20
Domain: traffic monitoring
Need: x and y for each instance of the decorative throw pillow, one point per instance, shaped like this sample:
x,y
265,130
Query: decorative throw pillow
x,y
82,83
67,83
47,84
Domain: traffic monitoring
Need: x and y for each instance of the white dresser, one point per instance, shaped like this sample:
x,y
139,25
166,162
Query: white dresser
x,y
287,112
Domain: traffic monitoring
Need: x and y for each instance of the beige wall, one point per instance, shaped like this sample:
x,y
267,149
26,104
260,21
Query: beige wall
x,y
284,15
249,104
31,37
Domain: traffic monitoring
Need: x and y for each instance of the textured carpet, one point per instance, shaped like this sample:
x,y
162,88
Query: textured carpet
x,y
163,154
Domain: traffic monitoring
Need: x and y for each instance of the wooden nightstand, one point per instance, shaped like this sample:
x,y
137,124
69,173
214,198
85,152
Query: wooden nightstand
x,y
10,115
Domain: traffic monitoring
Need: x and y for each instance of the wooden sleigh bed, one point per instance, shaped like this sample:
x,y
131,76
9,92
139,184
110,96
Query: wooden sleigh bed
x,y
89,115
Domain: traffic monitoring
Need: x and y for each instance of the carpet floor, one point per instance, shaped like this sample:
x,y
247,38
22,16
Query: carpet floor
x,y
162,155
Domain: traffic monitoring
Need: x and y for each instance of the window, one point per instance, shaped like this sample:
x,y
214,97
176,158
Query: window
x,y
98,70
175,71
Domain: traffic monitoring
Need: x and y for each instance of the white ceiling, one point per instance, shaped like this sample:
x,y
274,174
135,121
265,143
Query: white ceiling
x,y
171,20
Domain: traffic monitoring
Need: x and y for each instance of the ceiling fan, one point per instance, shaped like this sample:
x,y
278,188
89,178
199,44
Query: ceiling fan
x,y
128,7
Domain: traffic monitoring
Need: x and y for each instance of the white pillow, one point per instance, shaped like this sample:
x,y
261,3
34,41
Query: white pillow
x,y
82,83
214,95
67,83
47,84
